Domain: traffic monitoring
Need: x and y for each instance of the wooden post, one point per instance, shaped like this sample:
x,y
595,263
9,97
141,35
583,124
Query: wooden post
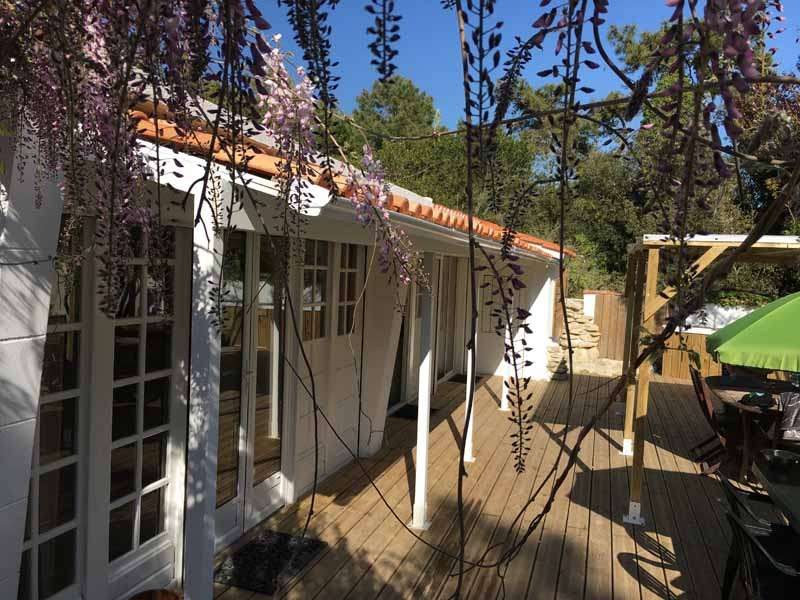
x,y
419,519
634,515
634,292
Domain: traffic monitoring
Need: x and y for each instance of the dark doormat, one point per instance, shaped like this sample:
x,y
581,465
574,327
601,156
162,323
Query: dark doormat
x,y
263,564
410,412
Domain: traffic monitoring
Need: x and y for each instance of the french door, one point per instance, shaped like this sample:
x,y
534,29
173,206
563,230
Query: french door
x,y
446,317
249,481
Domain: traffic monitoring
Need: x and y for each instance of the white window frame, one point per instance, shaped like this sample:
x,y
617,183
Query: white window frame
x,y
326,303
79,393
342,271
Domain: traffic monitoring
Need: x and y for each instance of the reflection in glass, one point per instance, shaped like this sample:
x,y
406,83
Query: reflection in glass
x,y
57,564
123,471
129,304
58,426
156,402
24,586
267,443
126,351
57,497
120,530
61,362
230,401
152,517
160,291
65,296
123,419
154,458
320,286
159,346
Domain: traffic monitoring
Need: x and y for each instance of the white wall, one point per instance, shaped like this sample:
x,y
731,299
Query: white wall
x,y
537,298
27,232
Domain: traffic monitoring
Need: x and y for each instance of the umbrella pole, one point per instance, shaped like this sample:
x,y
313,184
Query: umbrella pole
x,y
634,515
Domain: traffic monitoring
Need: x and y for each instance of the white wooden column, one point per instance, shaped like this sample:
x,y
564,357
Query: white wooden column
x,y
470,415
508,373
203,434
419,519
27,233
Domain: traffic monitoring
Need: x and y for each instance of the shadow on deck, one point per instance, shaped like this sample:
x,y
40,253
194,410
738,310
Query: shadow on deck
x,y
581,549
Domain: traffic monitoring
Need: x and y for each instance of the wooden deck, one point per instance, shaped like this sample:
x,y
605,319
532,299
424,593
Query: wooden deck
x,y
581,550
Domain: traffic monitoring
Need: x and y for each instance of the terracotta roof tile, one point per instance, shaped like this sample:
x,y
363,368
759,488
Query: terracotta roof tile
x,y
261,159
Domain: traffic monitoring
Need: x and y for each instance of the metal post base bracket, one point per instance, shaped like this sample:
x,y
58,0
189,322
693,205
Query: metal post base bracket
x,y
469,459
627,448
634,516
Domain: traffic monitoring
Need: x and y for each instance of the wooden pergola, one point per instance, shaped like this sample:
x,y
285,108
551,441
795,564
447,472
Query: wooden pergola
x,y
644,300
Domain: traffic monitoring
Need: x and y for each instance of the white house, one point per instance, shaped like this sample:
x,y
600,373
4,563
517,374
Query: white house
x,y
139,446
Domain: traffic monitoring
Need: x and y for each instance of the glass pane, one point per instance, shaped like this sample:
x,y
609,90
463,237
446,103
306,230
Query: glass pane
x,y
351,287
57,564
28,512
352,256
24,588
160,292
154,458
322,254
308,286
129,279
61,362
319,322
162,242
125,413
126,351
152,518
159,346
342,286
57,497
120,530
321,286
230,398
343,257
70,235
156,402
228,454
350,310
123,471
309,258
308,323
58,428
65,305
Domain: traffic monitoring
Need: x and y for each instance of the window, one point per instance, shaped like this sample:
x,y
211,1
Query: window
x,y
348,288
52,525
315,290
141,397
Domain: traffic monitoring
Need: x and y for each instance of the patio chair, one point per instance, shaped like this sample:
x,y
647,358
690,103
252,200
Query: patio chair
x,y
767,564
715,446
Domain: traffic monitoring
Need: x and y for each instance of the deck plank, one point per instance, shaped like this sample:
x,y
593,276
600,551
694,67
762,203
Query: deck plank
x,y
582,549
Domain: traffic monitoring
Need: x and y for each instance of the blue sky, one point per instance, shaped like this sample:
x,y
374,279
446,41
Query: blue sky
x,y
429,53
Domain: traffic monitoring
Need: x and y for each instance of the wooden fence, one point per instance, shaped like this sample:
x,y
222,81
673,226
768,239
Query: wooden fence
x,y
609,315
676,360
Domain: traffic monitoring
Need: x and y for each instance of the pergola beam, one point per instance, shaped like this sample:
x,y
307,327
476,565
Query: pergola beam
x,y
655,301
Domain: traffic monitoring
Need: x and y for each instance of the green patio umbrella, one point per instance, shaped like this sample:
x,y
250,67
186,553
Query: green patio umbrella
x,y
767,338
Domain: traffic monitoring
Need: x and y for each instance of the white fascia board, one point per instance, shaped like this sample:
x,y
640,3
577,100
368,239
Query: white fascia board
x,y
422,229
193,168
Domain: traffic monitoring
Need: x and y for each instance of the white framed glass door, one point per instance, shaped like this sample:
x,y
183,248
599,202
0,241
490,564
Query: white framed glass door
x,y
249,483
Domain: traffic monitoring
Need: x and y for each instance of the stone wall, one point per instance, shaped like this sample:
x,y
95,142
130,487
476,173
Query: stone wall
x,y
585,336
